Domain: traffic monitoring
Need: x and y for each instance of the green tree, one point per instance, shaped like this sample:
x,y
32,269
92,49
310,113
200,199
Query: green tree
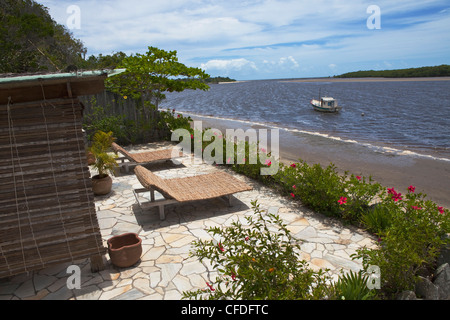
x,y
30,40
149,75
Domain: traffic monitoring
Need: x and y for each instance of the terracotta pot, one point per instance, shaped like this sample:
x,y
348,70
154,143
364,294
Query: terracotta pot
x,y
101,186
125,249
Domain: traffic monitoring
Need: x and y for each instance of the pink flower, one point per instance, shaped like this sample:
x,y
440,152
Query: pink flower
x,y
293,165
268,162
292,195
391,191
294,187
221,247
416,208
342,200
263,150
358,177
411,189
397,196
229,159
192,136
441,210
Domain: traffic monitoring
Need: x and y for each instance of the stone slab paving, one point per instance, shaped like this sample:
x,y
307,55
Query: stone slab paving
x,y
165,269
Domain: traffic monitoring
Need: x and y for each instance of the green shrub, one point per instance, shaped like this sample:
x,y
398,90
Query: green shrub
x,y
258,260
173,121
411,241
377,219
317,187
352,286
360,192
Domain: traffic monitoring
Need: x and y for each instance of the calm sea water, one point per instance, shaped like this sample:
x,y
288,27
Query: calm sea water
x,y
408,117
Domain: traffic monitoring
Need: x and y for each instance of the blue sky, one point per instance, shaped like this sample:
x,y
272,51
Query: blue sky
x,y
267,39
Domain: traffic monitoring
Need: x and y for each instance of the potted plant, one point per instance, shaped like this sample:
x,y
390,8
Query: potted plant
x,y
105,162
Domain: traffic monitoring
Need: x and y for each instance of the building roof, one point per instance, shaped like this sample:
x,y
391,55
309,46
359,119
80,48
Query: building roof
x,y
35,87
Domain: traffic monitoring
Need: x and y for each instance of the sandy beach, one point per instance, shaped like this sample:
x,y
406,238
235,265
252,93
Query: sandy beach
x,y
428,175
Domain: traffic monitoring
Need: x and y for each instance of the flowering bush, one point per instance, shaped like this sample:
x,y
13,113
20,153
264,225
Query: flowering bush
x,y
174,121
409,242
255,261
254,264
318,188
326,191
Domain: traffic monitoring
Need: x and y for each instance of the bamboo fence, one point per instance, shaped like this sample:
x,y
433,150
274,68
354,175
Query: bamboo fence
x,y
47,211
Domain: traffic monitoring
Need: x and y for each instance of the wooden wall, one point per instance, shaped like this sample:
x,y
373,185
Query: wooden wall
x,y
47,211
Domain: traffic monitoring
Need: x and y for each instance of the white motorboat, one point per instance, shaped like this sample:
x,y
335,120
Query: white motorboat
x,y
326,104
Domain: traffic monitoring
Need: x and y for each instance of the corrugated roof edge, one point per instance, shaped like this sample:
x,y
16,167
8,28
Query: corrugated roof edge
x,y
53,76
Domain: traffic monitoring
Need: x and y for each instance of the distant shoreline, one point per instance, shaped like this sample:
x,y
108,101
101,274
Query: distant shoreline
x,y
368,79
226,82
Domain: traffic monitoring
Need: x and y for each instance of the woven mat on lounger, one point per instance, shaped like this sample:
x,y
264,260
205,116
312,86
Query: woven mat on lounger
x,y
143,157
200,187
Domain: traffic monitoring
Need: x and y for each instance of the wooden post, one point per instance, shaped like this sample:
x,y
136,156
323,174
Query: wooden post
x,y
97,263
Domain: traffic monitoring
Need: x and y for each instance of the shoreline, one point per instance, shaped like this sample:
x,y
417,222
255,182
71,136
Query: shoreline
x,y
429,176
368,79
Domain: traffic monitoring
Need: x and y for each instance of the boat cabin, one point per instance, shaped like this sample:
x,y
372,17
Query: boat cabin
x,y
328,102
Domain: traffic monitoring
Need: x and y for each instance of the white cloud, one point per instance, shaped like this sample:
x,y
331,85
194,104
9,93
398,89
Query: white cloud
x,y
228,66
265,37
289,61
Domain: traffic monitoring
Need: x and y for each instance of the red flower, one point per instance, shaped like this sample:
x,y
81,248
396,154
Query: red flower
x,y
411,189
342,200
416,208
268,162
391,191
358,177
179,116
192,136
221,247
210,287
292,195
441,210
233,276
294,187
293,165
395,196
246,238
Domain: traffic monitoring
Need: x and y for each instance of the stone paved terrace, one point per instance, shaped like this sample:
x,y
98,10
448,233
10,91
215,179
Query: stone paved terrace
x,y
166,269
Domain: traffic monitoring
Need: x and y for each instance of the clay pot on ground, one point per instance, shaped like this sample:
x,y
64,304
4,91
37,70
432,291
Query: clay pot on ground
x,y
125,249
101,185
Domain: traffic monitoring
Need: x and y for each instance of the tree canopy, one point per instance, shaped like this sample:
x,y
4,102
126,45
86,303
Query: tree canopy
x,y
437,71
149,75
31,41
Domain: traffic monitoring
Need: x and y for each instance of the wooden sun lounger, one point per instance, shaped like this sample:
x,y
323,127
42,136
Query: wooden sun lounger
x,y
142,157
178,190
